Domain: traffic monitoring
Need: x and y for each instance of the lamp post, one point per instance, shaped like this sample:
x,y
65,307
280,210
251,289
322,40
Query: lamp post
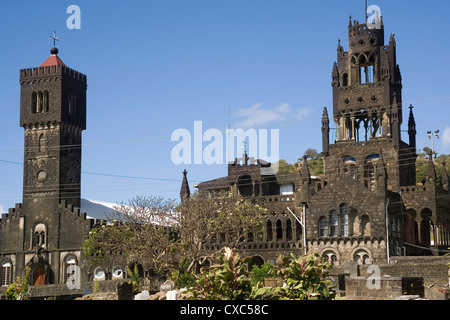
x,y
431,136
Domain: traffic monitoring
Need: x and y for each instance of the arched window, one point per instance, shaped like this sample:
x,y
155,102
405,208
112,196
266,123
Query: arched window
x,y
70,269
331,258
34,103
6,273
46,101
39,235
323,227
40,102
269,235
288,230
334,231
345,79
343,216
365,225
350,166
42,143
298,229
362,257
279,230
245,186
366,69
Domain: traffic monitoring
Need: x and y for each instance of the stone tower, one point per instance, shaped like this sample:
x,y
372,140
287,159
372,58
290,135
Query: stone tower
x,y
367,110
53,114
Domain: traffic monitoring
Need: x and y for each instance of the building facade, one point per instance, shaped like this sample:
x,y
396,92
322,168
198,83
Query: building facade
x,y
367,206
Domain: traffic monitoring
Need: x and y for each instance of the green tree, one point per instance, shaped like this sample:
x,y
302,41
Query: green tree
x,y
311,154
163,234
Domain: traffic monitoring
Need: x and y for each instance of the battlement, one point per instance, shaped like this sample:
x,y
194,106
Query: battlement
x,y
60,70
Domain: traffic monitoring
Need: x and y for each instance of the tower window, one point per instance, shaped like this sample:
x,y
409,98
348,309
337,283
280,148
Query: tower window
x,y
40,102
34,102
366,70
46,101
345,79
39,235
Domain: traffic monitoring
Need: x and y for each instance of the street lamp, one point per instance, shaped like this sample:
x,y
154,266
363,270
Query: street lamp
x,y
431,136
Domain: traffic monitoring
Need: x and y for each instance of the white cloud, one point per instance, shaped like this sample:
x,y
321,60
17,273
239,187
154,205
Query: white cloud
x,y
2,209
256,116
446,138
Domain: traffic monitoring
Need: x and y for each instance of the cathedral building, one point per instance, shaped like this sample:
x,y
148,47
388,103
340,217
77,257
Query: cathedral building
x,y
367,206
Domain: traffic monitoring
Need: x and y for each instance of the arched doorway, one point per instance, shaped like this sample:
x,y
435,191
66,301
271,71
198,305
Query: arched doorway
x,y
38,276
255,261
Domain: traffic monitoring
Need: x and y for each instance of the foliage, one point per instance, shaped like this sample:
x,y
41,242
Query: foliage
x,y
161,233
315,164
135,279
19,289
304,279
96,286
259,274
228,280
183,279
12,292
311,154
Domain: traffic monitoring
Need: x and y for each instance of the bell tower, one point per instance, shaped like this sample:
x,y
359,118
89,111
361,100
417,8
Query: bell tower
x,y
367,108
53,114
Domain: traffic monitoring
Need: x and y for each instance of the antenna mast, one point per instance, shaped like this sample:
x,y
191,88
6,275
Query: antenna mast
x,y
365,12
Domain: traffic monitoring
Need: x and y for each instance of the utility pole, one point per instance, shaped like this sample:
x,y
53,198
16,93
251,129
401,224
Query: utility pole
x,y
431,136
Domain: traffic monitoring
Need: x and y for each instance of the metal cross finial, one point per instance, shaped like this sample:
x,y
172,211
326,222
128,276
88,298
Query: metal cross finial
x,y
54,38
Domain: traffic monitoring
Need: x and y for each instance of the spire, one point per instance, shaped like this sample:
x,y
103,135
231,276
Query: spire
x,y
339,47
412,128
444,175
392,39
350,22
325,132
185,192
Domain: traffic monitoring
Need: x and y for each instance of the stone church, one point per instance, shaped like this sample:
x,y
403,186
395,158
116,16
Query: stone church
x,y
46,231
366,207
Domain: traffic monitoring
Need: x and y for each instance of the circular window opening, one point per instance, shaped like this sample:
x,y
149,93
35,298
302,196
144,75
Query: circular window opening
x,y
117,271
42,176
99,273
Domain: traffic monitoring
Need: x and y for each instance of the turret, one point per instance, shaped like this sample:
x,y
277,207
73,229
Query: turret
x,y
185,192
325,132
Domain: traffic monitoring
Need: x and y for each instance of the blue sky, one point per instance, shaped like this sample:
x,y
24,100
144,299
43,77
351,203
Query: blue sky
x,y
157,66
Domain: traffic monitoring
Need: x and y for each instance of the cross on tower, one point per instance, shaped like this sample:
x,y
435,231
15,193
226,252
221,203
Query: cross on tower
x,y
54,38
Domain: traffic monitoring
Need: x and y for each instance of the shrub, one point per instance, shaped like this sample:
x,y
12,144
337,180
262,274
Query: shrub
x,y
304,278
